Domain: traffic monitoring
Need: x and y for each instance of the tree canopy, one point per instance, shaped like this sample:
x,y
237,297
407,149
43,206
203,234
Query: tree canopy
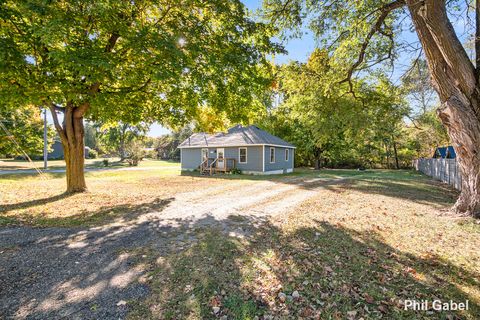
x,y
21,131
329,126
131,61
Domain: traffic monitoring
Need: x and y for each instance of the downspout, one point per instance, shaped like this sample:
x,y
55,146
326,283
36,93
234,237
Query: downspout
x,y
293,158
263,158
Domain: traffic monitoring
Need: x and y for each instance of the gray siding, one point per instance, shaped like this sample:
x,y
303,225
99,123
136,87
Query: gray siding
x,y
254,158
280,163
191,157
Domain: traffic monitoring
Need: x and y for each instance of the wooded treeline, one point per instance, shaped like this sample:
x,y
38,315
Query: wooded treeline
x,y
381,127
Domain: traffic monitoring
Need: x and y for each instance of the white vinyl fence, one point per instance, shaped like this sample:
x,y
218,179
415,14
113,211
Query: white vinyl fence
x,y
445,170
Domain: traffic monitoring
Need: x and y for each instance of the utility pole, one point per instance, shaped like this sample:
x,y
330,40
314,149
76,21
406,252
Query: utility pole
x,y
45,144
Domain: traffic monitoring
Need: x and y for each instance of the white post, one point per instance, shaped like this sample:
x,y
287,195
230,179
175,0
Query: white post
x,y
45,145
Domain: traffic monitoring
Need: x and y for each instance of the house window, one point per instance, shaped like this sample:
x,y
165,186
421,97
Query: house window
x,y
272,155
287,154
242,155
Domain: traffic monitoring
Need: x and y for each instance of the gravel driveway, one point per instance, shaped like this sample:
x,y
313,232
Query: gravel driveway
x,y
92,273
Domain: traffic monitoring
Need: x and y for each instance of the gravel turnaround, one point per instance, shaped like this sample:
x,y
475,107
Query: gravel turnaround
x,y
60,273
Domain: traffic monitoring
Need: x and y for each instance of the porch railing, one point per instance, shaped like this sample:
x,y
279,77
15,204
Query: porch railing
x,y
210,165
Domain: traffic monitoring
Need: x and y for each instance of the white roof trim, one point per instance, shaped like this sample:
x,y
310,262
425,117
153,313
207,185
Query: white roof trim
x,y
235,146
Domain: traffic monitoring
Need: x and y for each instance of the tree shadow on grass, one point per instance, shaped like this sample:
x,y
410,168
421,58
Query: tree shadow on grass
x,y
5,208
338,274
77,272
401,184
102,215
181,269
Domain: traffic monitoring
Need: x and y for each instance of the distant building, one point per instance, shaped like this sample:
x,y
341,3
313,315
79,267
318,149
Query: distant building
x,y
57,151
445,153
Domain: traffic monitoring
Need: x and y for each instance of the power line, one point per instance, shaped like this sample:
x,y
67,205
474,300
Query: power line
x,y
19,148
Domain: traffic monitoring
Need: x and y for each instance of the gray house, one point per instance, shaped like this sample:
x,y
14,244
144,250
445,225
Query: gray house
x,y
250,149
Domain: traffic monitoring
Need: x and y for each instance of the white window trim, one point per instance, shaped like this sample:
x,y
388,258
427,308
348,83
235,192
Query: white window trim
x,y
270,154
246,155
287,155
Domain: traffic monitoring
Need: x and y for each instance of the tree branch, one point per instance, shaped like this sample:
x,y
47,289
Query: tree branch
x,y
434,14
376,28
53,109
112,41
444,80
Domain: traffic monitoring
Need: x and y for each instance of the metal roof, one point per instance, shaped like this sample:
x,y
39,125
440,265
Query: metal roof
x,y
234,137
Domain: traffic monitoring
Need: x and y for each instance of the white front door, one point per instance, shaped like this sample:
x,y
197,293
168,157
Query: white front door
x,y
221,158
204,154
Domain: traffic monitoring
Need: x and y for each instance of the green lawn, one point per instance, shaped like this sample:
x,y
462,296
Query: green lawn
x,y
11,164
358,246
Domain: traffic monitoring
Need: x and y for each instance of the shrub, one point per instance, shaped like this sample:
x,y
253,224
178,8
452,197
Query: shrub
x,y
135,153
92,154
105,162
236,171
151,154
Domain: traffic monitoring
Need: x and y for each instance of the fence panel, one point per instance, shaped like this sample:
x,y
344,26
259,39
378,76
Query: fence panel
x,y
445,170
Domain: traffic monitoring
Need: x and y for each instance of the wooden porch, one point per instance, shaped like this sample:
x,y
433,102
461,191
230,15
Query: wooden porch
x,y
211,166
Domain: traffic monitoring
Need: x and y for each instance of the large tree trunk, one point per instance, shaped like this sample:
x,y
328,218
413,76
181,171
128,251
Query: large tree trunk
x,y
72,135
455,79
74,158
464,131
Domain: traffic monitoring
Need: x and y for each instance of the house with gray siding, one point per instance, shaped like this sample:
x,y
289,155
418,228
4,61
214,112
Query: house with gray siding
x,y
249,149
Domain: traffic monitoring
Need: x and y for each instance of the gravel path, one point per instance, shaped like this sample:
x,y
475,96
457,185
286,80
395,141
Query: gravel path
x,y
91,273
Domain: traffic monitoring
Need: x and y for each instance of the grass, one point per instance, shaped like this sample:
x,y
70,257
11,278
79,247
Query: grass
x,y
33,200
11,164
359,247
356,250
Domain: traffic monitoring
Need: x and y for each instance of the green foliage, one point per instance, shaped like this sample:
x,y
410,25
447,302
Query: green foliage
x,y
166,145
330,126
418,87
92,154
91,136
114,138
24,125
134,153
236,171
133,61
427,134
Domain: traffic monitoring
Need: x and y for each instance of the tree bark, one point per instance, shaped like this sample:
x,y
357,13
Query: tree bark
x,y
318,158
455,80
75,162
395,153
72,136
464,131
123,136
